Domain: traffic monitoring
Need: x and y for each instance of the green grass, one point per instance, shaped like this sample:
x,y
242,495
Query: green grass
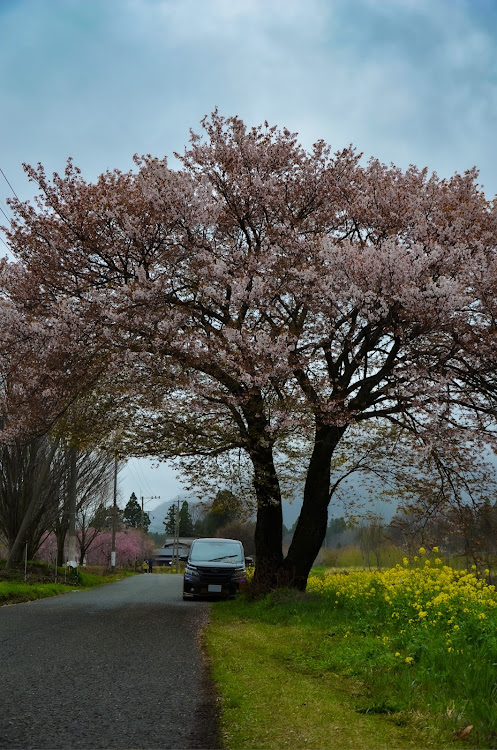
x,y
272,700
295,671
168,569
276,694
350,556
425,635
13,592
41,582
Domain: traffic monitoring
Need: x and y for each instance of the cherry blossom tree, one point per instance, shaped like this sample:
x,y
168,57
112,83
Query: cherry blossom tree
x,y
131,545
261,295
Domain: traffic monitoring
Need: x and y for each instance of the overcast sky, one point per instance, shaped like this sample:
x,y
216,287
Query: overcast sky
x,y
407,81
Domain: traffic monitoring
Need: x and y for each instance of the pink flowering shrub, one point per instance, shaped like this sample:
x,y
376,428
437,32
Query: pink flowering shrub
x,y
131,545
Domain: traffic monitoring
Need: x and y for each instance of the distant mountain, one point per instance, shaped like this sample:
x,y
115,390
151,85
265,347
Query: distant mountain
x,y
366,501
291,508
157,515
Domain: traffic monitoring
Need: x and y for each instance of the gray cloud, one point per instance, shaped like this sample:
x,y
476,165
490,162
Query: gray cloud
x,y
406,81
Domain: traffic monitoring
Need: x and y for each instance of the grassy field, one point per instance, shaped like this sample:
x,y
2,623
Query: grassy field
x,y
168,569
40,581
386,556
398,658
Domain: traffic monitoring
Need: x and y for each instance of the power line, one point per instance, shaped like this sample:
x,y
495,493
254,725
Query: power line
x,y
134,472
139,477
135,478
7,217
8,183
144,479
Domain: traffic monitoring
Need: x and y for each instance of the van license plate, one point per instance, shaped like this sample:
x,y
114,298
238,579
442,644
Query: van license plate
x,y
215,588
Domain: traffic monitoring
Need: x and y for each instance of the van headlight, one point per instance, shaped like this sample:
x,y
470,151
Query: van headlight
x,y
238,574
191,572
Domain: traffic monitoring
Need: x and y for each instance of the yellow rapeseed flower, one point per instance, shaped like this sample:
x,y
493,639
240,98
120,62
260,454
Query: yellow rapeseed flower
x,y
410,595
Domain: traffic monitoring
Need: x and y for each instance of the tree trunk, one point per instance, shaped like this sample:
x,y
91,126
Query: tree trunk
x,y
313,519
71,502
16,549
269,524
60,530
82,542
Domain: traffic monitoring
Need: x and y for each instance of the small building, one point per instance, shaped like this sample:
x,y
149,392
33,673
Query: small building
x,y
164,555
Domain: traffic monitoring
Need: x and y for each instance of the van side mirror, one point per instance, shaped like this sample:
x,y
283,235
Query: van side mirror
x,y
249,562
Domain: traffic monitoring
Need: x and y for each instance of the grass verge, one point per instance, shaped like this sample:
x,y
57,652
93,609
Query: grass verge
x,y
40,583
358,662
270,700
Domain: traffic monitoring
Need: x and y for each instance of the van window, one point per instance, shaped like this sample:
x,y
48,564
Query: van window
x,y
216,551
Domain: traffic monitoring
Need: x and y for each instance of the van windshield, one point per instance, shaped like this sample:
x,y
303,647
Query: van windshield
x,y
216,552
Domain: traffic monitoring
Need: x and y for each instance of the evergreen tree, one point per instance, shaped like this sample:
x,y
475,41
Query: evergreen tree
x,y
337,526
102,518
132,515
170,521
157,537
185,520
228,506
225,507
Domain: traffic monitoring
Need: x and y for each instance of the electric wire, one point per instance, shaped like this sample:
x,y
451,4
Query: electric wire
x,y
140,479
7,217
8,183
1,209
148,488
134,477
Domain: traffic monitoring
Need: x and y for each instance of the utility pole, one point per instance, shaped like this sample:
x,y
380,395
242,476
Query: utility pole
x,y
152,497
72,489
142,522
114,520
176,539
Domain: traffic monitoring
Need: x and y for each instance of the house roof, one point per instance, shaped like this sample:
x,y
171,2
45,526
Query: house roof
x,y
184,541
168,548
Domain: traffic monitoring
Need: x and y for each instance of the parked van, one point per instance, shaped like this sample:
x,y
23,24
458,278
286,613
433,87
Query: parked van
x,y
215,568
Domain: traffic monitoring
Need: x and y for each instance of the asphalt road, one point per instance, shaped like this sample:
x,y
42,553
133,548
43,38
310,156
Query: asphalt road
x,y
116,667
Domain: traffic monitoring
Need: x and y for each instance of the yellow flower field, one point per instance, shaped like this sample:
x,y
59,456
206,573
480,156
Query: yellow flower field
x,y
414,645
428,596
435,625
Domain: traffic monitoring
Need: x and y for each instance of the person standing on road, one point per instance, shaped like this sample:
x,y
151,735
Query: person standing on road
x,y
145,566
150,565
